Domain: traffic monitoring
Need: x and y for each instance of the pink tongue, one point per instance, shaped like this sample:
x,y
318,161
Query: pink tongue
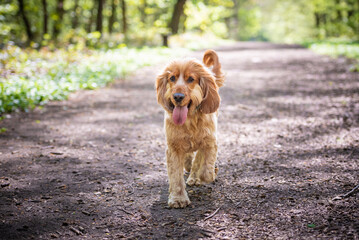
x,y
180,115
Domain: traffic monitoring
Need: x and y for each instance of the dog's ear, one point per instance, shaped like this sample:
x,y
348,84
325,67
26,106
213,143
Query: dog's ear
x,y
161,83
211,98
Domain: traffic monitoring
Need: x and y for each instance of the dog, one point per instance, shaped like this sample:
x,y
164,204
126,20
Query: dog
x,y
188,91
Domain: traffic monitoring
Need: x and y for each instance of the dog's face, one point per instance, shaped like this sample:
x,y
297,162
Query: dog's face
x,y
186,87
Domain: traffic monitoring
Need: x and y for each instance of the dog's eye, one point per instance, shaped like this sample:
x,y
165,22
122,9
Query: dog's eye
x,y
173,78
190,79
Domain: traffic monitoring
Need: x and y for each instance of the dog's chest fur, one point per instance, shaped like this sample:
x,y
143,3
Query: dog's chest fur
x,y
199,130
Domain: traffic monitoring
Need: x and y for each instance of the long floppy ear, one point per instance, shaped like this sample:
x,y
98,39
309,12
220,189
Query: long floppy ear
x,y
211,99
161,83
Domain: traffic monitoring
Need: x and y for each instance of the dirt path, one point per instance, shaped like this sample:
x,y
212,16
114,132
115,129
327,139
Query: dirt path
x,y
93,167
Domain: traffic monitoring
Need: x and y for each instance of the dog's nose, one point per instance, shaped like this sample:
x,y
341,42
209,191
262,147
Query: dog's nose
x,y
178,97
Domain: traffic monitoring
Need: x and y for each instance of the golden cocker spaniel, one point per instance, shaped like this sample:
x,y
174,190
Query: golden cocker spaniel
x,y
188,91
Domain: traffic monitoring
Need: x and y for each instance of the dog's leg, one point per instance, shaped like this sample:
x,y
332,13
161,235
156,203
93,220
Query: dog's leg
x,y
178,196
193,178
188,162
203,168
208,172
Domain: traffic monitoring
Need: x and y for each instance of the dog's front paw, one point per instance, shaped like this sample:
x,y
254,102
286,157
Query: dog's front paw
x,y
208,176
193,181
178,201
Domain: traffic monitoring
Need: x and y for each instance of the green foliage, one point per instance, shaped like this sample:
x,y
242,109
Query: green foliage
x,y
335,18
287,21
7,27
249,23
207,18
291,21
295,21
31,77
337,48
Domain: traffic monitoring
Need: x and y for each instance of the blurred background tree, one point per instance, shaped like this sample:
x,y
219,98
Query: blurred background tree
x,y
95,23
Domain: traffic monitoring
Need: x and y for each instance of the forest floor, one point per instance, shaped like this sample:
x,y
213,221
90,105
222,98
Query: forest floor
x,y
93,167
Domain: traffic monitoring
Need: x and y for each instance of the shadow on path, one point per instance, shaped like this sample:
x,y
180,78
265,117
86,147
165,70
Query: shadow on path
x,y
93,167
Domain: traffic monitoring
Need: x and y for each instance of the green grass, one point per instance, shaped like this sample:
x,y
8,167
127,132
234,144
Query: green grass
x,y
29,77
336,49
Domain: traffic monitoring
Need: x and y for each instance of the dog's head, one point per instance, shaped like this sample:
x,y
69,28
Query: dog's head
x,y
187,87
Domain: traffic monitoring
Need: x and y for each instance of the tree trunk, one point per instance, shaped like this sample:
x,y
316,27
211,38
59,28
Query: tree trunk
x,y
164,40
75,20
45,15
58,23
351,10
91,19
124,18
182,25
228,21
235,20
339,11
317,20
30,35
177,12
143,7
99,16
112,17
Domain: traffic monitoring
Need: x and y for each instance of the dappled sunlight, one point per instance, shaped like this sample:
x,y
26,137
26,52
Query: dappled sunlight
x,y
286,147
82,138
93,164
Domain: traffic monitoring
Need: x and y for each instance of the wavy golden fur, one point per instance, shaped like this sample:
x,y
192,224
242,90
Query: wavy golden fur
x,y
188,92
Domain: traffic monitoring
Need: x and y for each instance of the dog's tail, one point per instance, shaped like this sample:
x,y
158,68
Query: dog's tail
x,y
210,59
